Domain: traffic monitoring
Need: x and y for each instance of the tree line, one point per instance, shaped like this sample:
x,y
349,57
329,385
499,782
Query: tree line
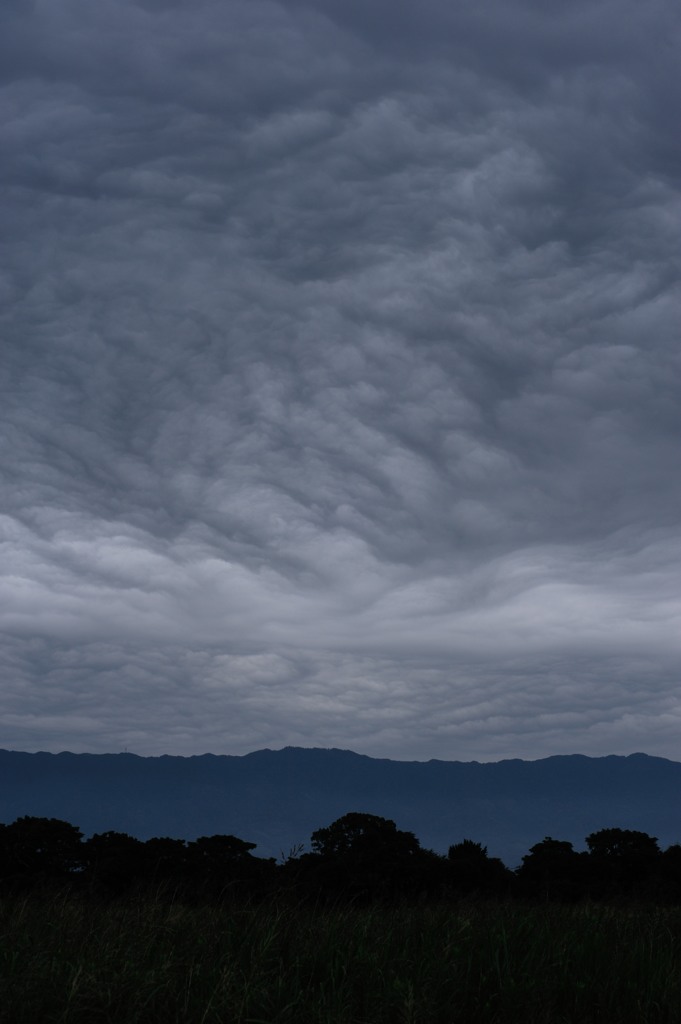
x,y
359,857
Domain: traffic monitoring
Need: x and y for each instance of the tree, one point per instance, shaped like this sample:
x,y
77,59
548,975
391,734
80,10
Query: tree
x,y
114,860
472,870
40,848
621,860
668,875
365,856
223,863
623,845
362,837
552,869
165,859
219,853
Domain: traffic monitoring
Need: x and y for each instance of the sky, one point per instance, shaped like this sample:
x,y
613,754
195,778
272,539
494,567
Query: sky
x,y
340,377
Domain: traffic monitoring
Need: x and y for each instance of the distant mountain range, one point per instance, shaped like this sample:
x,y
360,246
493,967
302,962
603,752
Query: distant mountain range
x,y
277,798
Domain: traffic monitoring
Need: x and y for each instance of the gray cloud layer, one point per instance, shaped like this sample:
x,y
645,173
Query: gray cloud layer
x,y
340,374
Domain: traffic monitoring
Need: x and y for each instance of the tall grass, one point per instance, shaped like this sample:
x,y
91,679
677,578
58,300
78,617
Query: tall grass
x,y
67,961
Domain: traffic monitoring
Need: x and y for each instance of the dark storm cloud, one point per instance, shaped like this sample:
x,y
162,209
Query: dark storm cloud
x,y
340,369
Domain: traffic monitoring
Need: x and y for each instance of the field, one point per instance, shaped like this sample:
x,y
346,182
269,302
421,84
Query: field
x,y
65,960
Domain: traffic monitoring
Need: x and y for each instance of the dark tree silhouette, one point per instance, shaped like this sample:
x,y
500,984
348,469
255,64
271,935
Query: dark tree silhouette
x,y
221,865
553,870
220,851
114,860
365,856
166,860
472,870
364,836
621,861
359,856
40,849
625,845
668,875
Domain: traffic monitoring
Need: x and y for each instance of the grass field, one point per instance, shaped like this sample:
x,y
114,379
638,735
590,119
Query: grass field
x,y
63,960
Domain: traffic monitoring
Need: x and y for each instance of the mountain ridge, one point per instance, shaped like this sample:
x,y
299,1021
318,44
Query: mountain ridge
x,y
277,798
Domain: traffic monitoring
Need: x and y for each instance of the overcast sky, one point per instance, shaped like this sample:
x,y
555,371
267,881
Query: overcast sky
x,y
341,376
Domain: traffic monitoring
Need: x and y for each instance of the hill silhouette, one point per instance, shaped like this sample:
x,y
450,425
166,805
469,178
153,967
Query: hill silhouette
x,y
277,798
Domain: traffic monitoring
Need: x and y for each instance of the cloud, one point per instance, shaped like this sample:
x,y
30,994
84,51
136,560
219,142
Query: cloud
x,y
340,377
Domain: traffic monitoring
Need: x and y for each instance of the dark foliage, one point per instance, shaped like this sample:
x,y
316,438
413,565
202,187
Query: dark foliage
x,y
362,858
471,871
621,861
553,870
366,857
34,851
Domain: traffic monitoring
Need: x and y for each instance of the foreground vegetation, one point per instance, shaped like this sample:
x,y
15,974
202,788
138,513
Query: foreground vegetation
x,y
365,928
358,858
70,959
